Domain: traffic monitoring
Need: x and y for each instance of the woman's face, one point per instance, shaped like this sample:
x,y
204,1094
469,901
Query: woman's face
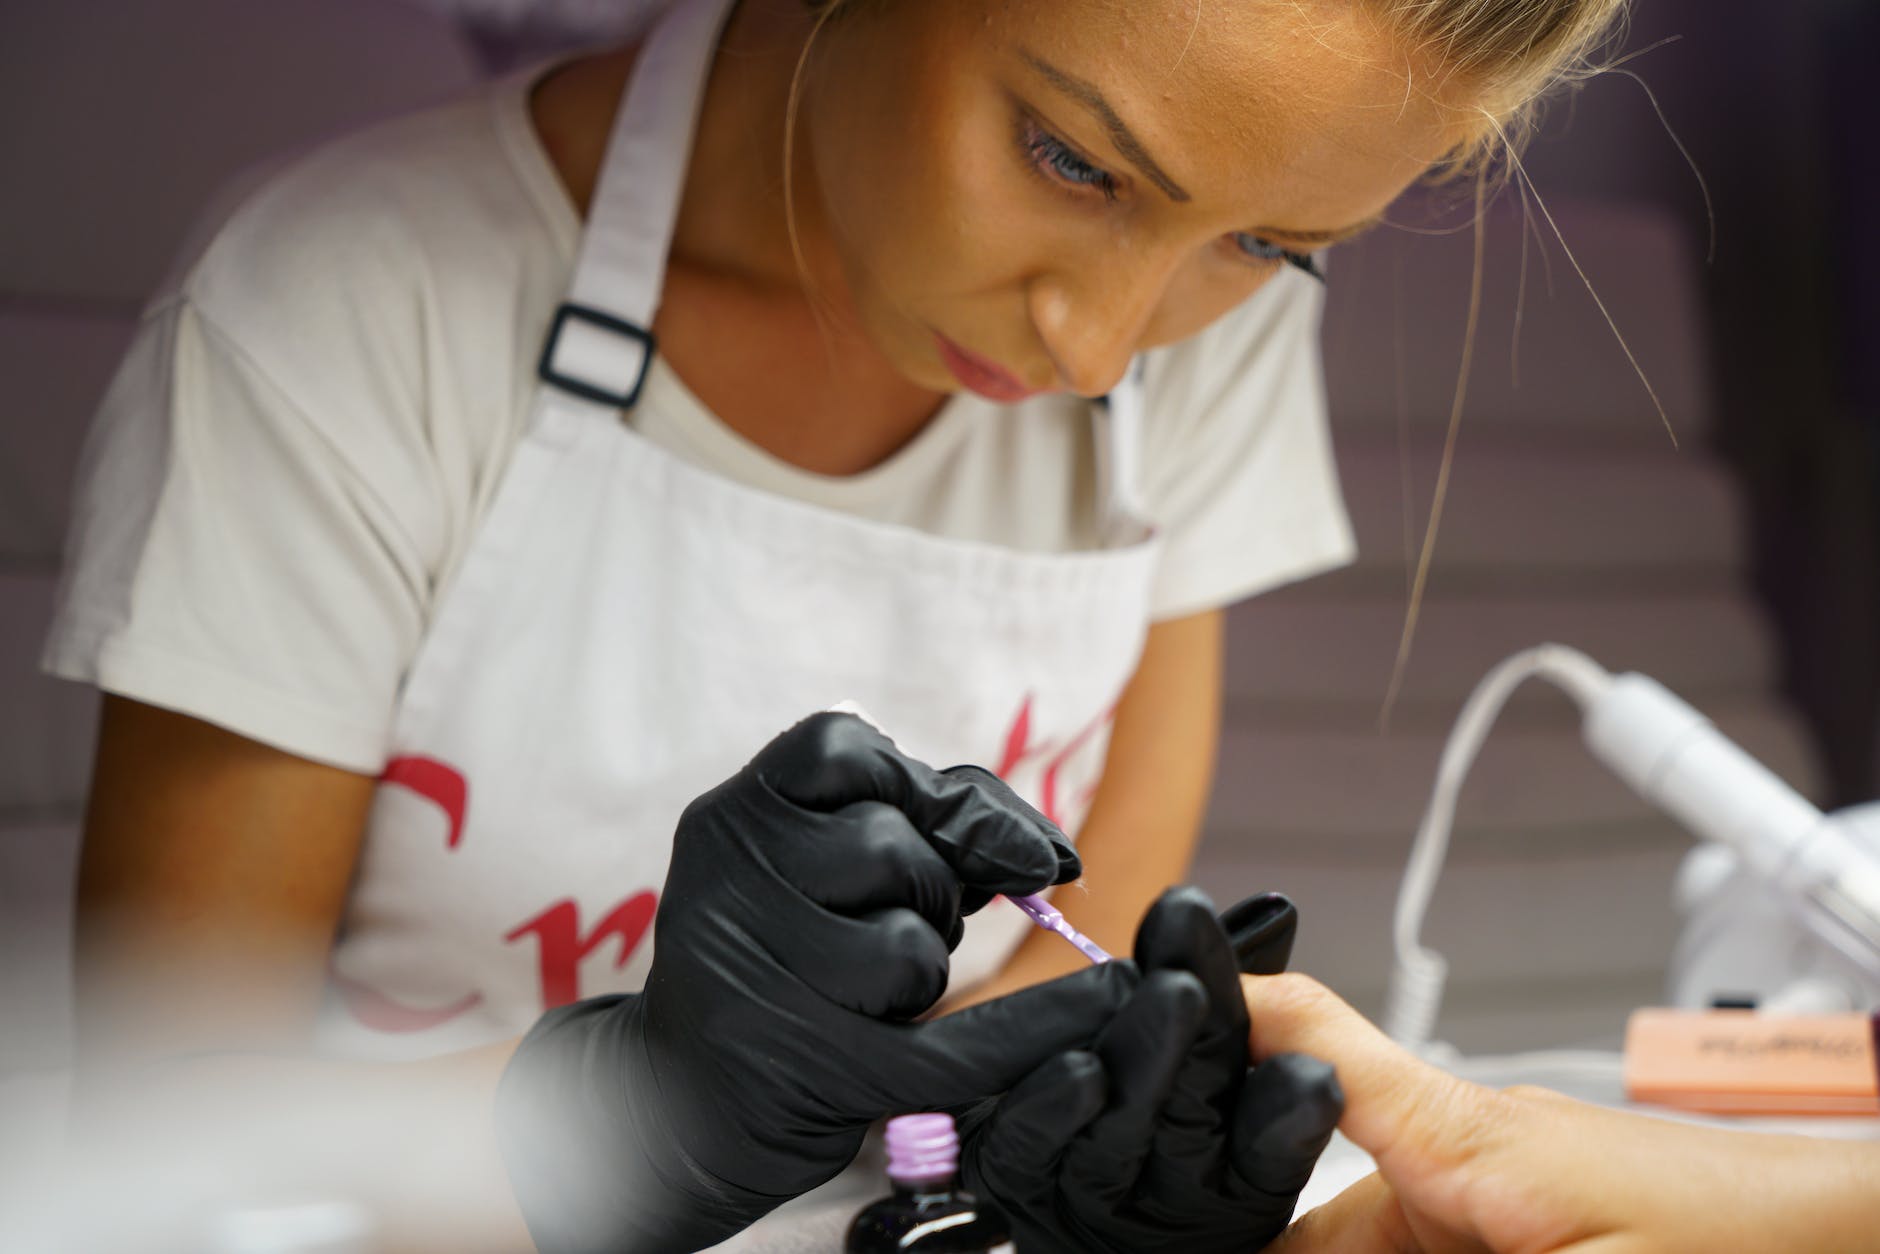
x,y
1022,194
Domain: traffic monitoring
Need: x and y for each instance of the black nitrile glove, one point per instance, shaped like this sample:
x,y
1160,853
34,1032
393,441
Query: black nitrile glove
x,y
1162,1138
1260,930
807,917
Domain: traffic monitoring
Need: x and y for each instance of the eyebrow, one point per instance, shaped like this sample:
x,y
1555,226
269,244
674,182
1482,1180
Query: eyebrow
x,y
1087,95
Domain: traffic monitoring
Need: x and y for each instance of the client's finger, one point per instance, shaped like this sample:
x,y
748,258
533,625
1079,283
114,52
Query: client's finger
x,y
1364,1219
1390,1095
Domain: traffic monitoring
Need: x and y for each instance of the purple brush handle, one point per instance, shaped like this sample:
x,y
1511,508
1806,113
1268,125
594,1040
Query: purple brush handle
x,y
1051,920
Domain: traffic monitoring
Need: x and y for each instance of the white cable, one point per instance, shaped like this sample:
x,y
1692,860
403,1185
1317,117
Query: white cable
x,y
1416,988
1820,868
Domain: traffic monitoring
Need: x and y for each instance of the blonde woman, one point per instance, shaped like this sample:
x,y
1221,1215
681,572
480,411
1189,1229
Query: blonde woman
x,y
499,479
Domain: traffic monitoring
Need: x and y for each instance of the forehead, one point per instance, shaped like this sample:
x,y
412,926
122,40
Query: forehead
x,y
1309,109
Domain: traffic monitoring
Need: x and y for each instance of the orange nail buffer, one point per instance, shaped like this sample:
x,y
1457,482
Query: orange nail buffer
x,y
1738,1062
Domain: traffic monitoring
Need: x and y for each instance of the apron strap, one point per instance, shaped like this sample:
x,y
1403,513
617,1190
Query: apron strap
x,y
600,344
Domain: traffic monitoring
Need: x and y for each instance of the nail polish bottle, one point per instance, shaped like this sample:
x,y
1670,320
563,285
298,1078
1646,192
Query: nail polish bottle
x,y
928,1212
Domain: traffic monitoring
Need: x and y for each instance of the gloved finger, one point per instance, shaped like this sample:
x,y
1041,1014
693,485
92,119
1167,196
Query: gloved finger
x,y
988,1048
990,837
1141,1050
1288,1108
1069,864
867,857
1181,933
887,964
1019,1146
1262,930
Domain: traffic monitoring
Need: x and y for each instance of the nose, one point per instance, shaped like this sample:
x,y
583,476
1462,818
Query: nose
x,y
1092,319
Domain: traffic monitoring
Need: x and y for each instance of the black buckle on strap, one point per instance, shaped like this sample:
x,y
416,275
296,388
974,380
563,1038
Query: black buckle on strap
x,y
546,371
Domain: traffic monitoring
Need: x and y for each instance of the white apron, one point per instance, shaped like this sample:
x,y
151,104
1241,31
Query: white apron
x,y
628,630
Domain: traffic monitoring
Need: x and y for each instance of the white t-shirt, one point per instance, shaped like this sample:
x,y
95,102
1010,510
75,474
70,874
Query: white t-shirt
x,y
295,454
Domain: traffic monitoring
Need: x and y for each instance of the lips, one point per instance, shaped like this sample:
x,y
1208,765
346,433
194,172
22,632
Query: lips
x,y
977,374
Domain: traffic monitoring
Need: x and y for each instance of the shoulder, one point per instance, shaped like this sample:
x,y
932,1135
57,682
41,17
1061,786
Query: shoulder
x,y
383,283
373,228
1237,458
1252,378
373,296
1269,340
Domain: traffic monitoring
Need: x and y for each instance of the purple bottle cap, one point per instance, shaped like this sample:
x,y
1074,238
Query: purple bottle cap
x,y
922,1147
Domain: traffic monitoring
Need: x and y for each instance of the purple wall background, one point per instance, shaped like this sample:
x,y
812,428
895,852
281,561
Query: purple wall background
x,y
1776,104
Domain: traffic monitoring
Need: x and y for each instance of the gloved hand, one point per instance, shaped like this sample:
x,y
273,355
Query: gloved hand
x,y
1162,1138
808,913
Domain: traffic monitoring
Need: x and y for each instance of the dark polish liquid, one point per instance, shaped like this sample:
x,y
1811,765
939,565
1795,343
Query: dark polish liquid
x,y
932,1217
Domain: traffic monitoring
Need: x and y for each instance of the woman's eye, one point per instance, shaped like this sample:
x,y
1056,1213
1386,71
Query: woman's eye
x,y
1055,159
1257,249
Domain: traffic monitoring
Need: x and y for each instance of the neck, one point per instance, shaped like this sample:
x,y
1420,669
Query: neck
x,y
733,221
808,383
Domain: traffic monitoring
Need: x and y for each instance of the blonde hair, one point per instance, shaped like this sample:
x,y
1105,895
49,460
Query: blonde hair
x,y
1506,56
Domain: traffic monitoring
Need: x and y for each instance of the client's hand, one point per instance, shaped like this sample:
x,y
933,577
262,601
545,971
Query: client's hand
x,y
1161,1138
807,917
1461,1167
